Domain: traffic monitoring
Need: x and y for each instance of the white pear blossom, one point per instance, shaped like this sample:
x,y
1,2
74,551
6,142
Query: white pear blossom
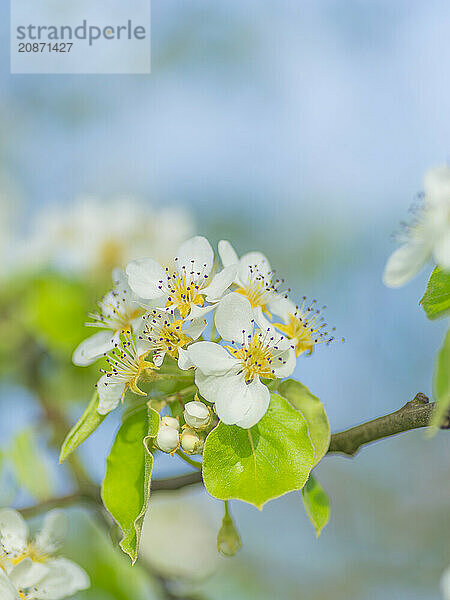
x,y
230,377
303,324
188,286
255,278
119,311
428,235
196,414
29,568
167,438
91,235
165,332
127,362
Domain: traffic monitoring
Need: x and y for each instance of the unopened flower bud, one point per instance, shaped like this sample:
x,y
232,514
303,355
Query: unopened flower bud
x,y
191,442
170,422
197,414
167,439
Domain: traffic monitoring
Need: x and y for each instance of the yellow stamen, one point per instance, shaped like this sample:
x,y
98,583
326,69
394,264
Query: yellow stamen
x,y
172,338
183,293
297,330
256,359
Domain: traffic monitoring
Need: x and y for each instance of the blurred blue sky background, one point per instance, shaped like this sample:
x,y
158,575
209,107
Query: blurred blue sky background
x,y
302,128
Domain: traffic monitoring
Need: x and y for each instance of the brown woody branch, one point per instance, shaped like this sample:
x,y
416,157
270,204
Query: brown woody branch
x,y
413,415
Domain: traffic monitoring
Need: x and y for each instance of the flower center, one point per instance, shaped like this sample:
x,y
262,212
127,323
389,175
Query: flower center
x,y
127,365
165,333
306,327
256,358
260,288
297,330
256,293
183,291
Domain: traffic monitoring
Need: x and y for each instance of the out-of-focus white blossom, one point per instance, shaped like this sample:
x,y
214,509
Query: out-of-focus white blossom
x,y
29,569
92,235
428,235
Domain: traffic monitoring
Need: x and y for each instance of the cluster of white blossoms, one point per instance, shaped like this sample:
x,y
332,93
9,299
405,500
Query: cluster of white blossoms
x,y
31,569
92,235
154,311
429,234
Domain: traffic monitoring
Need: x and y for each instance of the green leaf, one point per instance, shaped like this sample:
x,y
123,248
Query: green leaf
x,y
317,504
126,487
258,464
86,424
228,539
442,383
30,470
312,409
436,300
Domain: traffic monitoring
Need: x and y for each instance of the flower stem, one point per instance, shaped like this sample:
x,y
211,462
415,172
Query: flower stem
x,y
193,463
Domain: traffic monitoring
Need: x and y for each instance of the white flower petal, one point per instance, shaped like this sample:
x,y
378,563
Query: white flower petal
x,y
437,185
208,385
227,254
198,312
195,256
258,402
405,262
158,359
286,362
220,283
7,590
253,263
92,348
109,393
119,277
211,358
184,359
27,573
13,531
234,318
53,532
441,251
64,579
282,307
147,278
195,328
239,403
137,325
